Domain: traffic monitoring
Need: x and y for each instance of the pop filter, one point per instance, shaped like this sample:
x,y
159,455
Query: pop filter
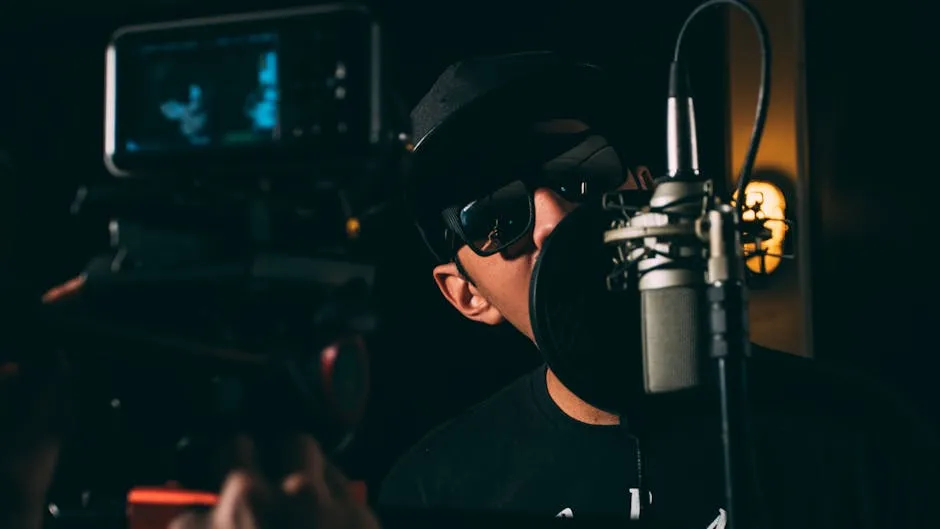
x,y
588,335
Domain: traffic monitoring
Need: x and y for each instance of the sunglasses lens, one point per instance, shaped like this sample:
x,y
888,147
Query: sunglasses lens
x,y
495,221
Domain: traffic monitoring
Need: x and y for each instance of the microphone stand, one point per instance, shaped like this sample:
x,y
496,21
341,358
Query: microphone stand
x,y
727,298
730,349
660,235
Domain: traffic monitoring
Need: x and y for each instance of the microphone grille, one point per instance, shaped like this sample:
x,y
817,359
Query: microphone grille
x,y
672,324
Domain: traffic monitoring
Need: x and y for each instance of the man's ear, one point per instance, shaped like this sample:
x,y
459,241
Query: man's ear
x,y
464,296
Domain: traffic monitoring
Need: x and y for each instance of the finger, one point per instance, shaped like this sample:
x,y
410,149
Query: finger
x,y
303,502
245,498
235,509
319,491
227,453
310,470
302,508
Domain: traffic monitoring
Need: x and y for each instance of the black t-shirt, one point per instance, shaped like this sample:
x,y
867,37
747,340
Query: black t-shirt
x,y
828,454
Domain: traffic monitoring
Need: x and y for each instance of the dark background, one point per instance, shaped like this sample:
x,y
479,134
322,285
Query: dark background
x,y
872,193
871,305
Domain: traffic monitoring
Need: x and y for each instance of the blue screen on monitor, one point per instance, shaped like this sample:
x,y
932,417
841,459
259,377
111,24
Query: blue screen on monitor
x,y
221,92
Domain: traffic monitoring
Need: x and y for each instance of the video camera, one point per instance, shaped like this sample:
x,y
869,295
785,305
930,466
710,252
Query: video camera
x,y
253,157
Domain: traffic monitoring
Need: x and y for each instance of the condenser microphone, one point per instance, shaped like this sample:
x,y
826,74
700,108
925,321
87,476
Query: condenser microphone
x,y
671,256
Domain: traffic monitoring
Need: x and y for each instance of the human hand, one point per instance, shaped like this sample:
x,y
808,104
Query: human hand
x,y
314,494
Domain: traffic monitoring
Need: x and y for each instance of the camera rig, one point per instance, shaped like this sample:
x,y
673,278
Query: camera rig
x,y
253,158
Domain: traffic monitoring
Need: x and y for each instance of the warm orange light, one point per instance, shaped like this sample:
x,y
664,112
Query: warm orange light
x,y
764,200
64,290
186,498
353,227
163,496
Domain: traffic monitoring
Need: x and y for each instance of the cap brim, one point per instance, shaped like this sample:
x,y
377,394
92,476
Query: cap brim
x,y
486,126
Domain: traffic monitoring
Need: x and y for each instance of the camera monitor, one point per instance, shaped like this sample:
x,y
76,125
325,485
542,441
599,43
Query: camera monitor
x,y
279,88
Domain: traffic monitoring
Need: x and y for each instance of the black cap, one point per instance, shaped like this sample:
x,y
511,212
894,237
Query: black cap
x,y
474,114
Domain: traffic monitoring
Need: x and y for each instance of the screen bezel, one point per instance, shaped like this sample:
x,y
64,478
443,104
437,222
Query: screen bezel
x,y
121,163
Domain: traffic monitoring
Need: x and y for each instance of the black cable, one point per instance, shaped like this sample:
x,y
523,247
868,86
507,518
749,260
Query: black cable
x,y
763,93
728,407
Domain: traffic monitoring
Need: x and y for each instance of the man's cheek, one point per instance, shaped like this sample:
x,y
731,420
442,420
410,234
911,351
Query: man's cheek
x,y
628,183
646,177
640,179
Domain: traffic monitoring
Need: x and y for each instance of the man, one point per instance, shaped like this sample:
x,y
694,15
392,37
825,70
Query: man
x,y
536,447
485,200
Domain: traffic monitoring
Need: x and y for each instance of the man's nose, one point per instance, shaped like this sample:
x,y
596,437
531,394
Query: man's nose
x,y
550,208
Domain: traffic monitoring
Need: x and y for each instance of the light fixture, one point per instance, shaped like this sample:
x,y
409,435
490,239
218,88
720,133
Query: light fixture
x,y
765,203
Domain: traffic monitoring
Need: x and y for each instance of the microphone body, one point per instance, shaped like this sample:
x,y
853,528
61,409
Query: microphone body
x,y
672,288
672,275
693,296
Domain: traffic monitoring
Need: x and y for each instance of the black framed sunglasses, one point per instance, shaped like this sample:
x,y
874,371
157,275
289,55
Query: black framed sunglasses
x,y
498,220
